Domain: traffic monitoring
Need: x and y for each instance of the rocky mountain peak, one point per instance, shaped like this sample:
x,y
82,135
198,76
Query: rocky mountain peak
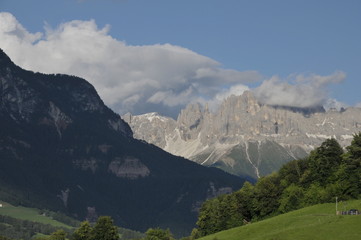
x,y
248,138
191,115
250,102
50,99
5,61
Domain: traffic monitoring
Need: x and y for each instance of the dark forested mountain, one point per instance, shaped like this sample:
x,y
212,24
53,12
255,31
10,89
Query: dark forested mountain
x,y
61,148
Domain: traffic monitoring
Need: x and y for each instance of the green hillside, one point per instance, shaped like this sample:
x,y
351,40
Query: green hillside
x,y
29,214
316,222
18,222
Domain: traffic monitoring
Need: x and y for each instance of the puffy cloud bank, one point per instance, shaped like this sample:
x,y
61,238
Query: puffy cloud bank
x,y
298,91
128,78
139,79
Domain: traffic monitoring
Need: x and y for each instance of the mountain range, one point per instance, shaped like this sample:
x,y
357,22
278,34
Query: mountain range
x,y
243,136
62,149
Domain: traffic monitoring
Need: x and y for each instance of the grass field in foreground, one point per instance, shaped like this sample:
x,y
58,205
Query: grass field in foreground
x,y
30,214
318,222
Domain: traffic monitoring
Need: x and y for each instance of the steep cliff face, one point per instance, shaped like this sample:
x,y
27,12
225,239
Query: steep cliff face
x,y
62,148
247,138
52,100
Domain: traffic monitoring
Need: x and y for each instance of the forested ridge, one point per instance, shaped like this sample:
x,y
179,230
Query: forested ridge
x,y
328,172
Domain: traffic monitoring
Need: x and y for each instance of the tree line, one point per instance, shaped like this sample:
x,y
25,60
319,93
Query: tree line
x,y
23,229
327,172
103,229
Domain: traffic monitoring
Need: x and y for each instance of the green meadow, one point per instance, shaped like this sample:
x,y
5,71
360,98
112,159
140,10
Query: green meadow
x,y
318,222
30,214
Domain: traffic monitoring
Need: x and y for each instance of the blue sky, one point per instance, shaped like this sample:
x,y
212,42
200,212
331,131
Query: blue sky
x,y
295,46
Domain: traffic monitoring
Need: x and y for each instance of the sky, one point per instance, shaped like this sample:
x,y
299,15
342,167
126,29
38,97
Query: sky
x,y
160,55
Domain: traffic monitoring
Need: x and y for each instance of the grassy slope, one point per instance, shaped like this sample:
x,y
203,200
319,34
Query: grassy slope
x,y
316,222
30,214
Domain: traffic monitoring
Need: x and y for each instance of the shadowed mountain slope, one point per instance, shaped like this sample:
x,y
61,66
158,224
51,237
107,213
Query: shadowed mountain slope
x,y
61,148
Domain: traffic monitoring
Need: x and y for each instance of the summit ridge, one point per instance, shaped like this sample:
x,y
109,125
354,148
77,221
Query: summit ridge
x,y
245,137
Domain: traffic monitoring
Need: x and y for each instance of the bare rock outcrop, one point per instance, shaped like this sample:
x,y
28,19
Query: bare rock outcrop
x,y
245,137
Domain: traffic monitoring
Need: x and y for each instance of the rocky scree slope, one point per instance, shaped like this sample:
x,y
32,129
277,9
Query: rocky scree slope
x,y
245,137
61,148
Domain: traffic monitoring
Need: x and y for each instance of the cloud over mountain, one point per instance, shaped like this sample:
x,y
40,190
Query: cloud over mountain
x,y
161,77
299,91
128,78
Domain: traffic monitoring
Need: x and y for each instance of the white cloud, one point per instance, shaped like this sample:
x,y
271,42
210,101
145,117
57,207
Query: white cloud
x,y
161,77
234,90
332,103
128,78
303,91
223,94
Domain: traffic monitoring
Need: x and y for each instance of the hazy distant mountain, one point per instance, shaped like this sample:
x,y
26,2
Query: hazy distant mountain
x,y
245,137
62,148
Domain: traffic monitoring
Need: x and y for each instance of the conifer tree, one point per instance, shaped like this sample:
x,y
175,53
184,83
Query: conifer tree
x,y
104,229
84,232
58,235
325,160
158,234
353,168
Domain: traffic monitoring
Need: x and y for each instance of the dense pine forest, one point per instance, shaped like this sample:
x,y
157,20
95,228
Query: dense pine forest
x,y
328,172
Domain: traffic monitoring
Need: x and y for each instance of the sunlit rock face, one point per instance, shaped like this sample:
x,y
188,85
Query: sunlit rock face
x,y
245,137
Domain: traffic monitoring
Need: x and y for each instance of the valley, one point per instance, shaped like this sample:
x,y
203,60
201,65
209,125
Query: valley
x,y
31,214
